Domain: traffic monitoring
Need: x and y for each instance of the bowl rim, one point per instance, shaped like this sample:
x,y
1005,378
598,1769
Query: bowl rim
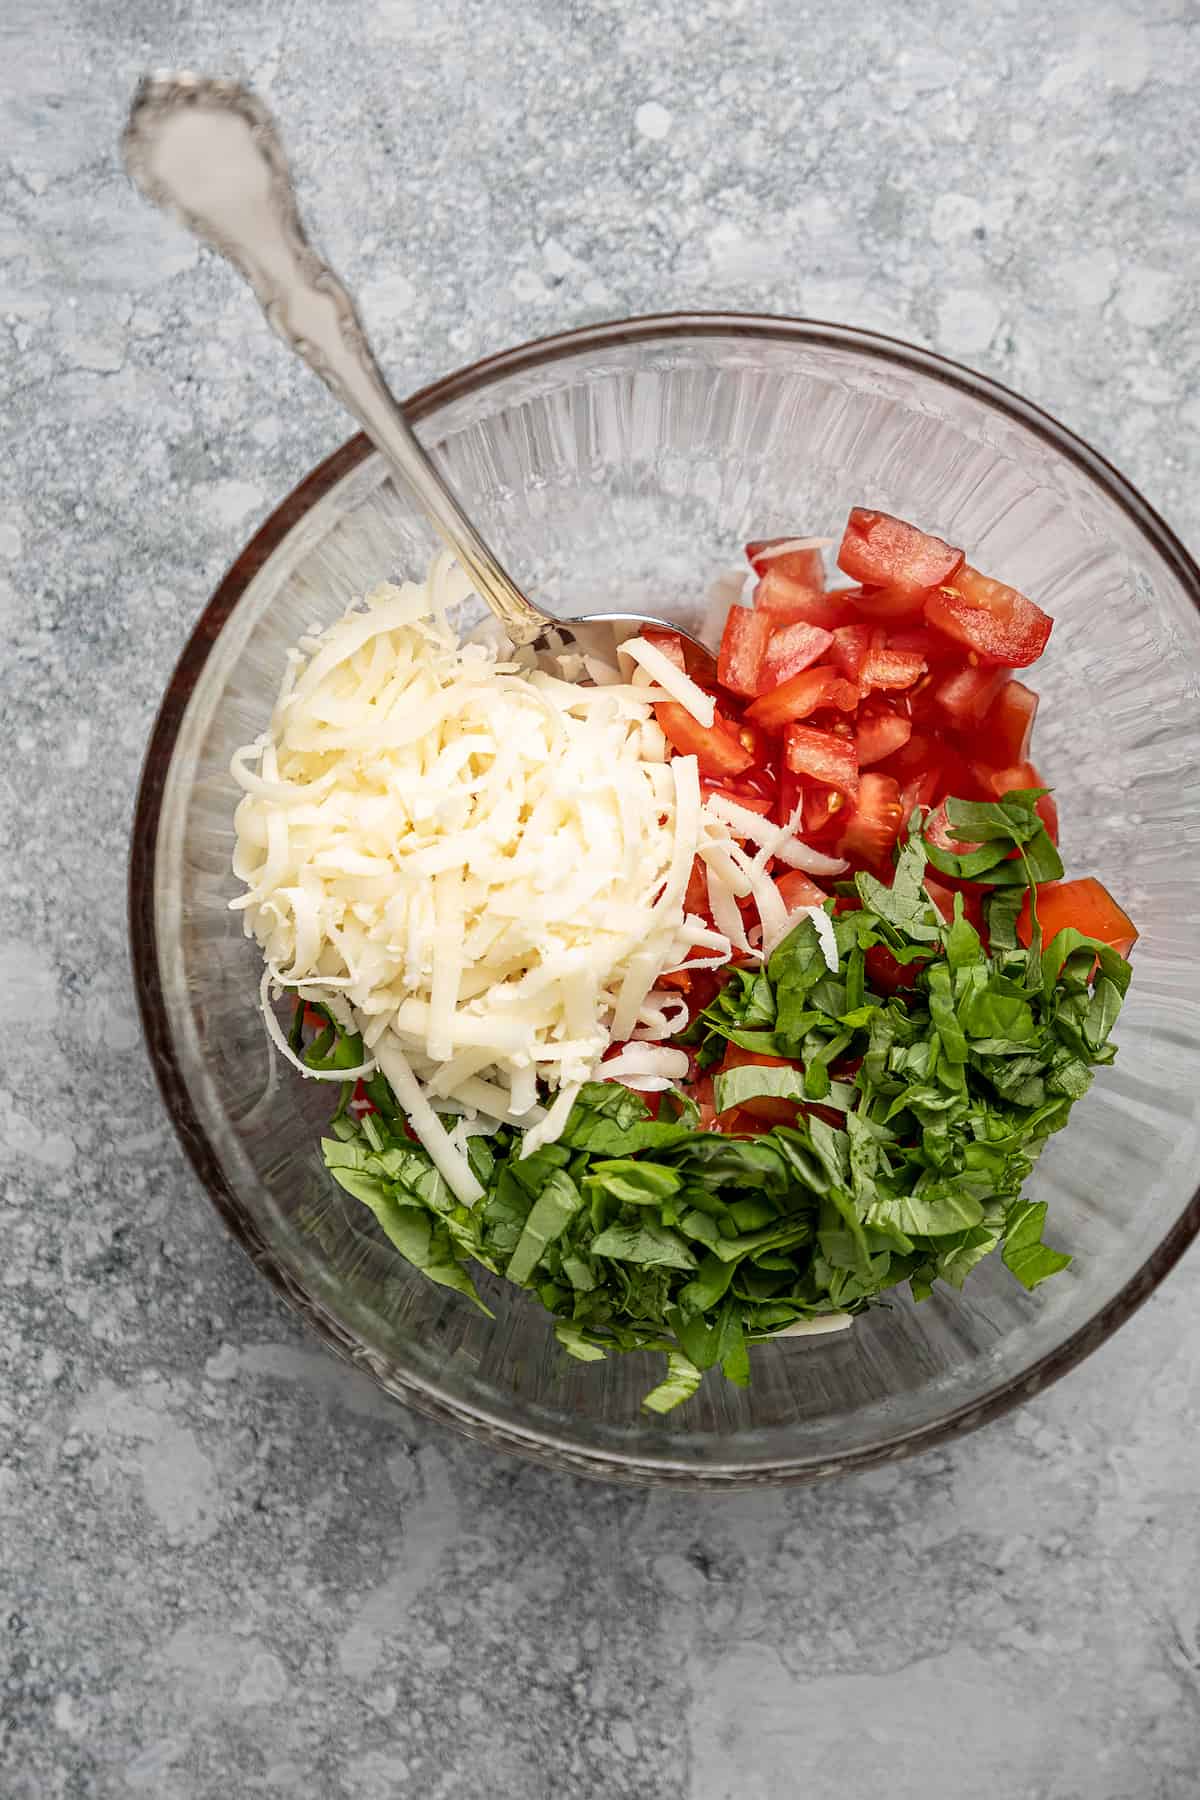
x,y
476,1422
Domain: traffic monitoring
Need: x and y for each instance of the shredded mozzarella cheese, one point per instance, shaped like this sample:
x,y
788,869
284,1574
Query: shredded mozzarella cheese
x,y
484,865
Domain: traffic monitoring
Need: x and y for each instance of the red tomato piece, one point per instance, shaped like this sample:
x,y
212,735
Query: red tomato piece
x,y
1087,906
669,642
849,648
1004,736
798,889
315,1021
937,830
997,622
995,783
768,1107
874,824
695,900
928,644
822,757
885,974
791,649
890,603
880,734
790,602
821,810
965,694
717,751
885,668
885,552
802,695
743,645
942,893
788,796
761,804
772,556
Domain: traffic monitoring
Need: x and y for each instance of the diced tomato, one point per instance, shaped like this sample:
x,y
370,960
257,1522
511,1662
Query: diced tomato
x,y
923,751
743,645
995,783
874,824
1004,735
885,974
930,645
717,751
885,668
885,552
890,603
315,1021
942,897
360,1100
761,804
669,642
937,830
768,1107
788,602
1085,905
696,897
942,894
821,756
849,648
791,649
880,734
822,810
789,795
965,694
997,622
802,695
798,889
772,556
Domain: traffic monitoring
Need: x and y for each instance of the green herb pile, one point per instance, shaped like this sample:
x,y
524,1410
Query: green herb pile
x,y
643,1233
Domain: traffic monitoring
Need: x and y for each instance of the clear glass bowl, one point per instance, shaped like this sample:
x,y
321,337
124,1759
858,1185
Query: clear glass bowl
x,y
622,466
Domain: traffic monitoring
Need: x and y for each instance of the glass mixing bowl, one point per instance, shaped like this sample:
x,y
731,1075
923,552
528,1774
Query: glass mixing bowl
x,y
621,467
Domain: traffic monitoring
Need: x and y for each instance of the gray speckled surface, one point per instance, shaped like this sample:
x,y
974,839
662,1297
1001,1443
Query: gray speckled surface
x,y
228,1567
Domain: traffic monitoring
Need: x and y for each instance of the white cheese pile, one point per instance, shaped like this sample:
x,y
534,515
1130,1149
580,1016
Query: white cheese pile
x,y
482,866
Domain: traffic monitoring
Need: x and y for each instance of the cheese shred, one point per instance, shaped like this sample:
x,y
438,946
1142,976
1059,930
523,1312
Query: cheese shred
x,y
482,867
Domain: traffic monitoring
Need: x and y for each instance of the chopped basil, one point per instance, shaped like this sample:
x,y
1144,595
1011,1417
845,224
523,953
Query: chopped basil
x,y
644,1233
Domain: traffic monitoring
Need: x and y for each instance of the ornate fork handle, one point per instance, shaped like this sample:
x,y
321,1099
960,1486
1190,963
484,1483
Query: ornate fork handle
x,y
208,151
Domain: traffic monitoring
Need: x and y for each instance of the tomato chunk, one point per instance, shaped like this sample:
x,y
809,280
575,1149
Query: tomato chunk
x,y
768,1107
885,552
792,648
941,893
778,556
822,757
789,602
995,621
890,603
880,734
965,694
874,825
802,695
849,648
696,896
669,642
755,803
821,810
717,751
798,889
743,645
1086,905
1004,735
995,783
886,668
